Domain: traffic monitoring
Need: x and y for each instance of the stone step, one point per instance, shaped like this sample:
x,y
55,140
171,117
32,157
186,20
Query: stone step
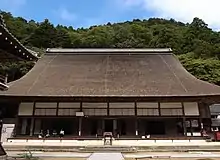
x,y
112,148
106,156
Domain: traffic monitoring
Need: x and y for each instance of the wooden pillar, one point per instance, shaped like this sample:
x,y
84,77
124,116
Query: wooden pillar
x,y
80,126
136,127
1,126
184,120
32,120
184,126
57,109
16,126
115,126
80,120
135,108
159,109
81,107
136,120
191,127
32,127
103,125
16,123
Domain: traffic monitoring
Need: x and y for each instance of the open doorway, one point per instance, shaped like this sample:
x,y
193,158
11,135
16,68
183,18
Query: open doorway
x,y
155,128
69,125
108,125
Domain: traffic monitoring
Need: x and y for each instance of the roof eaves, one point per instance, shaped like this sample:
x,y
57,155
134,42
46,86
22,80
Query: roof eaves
x,y
3,86
32,55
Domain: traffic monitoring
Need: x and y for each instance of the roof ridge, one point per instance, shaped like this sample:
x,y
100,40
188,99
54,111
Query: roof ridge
x,y
81,51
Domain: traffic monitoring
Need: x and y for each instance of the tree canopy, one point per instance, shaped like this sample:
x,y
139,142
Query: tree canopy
x,y
196,45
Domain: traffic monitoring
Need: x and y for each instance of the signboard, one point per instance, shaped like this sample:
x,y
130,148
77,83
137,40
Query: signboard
x,y
79,114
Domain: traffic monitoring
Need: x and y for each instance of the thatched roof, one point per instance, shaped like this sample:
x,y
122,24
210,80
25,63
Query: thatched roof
x,y
11,48
110,72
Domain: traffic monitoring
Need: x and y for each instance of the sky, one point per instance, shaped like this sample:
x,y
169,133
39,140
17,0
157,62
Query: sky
x,y
85,13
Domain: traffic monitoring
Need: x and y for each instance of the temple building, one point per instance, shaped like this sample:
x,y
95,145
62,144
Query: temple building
x,y
86,92
129,92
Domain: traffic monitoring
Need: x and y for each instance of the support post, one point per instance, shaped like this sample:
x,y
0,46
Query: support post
x,y
136,127
136,120
16,126
32,127
115,125
80,126
159,109
184,120
184,126
103,125
191,127
1,126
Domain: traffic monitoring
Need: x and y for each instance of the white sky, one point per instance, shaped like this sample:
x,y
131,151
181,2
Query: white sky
x,y
182,10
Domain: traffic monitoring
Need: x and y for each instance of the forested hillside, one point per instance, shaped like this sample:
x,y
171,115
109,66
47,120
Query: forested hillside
x,y
196,45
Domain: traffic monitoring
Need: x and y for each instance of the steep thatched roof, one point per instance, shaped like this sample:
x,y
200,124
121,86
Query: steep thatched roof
x,y
110,72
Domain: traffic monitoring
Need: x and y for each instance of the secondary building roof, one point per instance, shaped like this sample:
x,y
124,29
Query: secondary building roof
x,y
11,48
110,72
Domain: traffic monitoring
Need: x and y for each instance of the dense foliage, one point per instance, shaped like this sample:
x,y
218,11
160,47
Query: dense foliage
x,y
196,45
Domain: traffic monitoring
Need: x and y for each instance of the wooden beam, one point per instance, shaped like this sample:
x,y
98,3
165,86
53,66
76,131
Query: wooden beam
x,y
81,106
108,109
80,126
159,109
34,108
135,108
57,109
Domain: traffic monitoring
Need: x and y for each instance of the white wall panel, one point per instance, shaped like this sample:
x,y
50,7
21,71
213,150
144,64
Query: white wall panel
x,y
45,105
69,105
122,112
68,112
147,112
171,112
45,112
121,105
25,109
171,105
95,112
191,108
147,105
94,105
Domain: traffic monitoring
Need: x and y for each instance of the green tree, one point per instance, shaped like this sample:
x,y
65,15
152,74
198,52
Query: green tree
x,y
44,36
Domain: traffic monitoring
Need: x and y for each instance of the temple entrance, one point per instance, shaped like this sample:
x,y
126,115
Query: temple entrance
x,y
69,125
155,128
109,125
94,126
